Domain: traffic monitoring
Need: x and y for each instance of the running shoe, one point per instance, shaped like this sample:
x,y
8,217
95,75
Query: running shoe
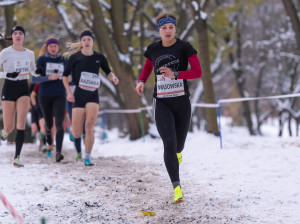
x,y
59,157
44,149
72,138
41,135
178,195
179,156
3,135
88,162
78,156
48,154
17,162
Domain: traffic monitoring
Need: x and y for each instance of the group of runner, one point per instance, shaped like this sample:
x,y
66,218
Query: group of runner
x,y
74,77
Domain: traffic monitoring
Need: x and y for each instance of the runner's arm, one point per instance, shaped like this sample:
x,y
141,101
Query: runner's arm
x,y
146,71
195,72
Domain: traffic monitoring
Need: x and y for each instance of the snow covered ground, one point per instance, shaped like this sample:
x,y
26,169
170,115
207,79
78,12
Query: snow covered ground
x,y
250,180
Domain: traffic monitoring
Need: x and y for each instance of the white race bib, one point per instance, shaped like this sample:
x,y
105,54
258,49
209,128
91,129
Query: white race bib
x,y
167,87
89,81
50,67
22,66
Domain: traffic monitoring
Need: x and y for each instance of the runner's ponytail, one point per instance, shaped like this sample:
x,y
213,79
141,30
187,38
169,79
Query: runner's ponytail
x,y
72,48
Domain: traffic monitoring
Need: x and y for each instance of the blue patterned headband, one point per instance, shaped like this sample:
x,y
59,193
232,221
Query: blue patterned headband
x,y
164,21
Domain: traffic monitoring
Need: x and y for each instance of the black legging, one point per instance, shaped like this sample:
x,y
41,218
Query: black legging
x,y
172,116
56,106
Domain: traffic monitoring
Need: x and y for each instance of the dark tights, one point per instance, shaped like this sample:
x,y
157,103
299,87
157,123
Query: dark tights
x,y
19,142
54,106
172,116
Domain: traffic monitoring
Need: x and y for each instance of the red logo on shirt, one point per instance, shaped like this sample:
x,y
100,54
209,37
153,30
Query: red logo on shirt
x,y
19,63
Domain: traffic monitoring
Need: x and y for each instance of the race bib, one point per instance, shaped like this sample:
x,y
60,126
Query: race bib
x,y
167,87
22,66
89,81
51,67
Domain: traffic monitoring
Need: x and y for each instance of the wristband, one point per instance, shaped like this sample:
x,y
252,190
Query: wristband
x,y
176,74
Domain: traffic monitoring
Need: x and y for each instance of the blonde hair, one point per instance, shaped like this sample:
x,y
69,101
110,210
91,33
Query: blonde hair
x,y
74,47
44,47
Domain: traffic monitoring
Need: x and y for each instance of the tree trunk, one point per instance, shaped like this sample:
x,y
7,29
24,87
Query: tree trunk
x,y
142,40
256,103
9,22
126,95
240,79
209,94
292,13
281,123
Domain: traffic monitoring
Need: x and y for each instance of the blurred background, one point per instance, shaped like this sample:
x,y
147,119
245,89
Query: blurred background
x,y
246,49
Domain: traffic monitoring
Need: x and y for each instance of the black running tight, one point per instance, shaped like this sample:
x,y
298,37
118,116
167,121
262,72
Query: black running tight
x,y
54,106
172,116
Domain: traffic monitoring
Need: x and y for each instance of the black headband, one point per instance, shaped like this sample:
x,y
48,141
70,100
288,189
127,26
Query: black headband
x,y
17,28
87,33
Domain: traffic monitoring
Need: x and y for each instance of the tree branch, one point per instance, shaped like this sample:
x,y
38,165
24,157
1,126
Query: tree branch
x,y
7,3
61,11
82,10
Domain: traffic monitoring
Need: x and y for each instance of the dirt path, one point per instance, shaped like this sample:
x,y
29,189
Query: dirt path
x,y
112,191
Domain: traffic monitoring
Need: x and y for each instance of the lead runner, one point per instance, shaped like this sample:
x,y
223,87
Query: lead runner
x,y
170,58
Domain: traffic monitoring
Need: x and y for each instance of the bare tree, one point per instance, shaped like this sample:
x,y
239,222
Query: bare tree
x,y
116,47
209,94
292,13
9,22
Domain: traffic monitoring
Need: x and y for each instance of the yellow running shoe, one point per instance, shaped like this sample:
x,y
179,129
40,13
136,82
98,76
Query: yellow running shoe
x,y
178,195
179,156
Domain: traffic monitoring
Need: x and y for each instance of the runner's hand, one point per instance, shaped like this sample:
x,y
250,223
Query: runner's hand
x,y
115,80
112,77
140,88
167,72
12,74
70,97
40,71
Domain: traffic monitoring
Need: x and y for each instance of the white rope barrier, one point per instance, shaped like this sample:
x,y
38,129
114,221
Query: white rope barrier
x,y
203,105
208,105
259,98
124,111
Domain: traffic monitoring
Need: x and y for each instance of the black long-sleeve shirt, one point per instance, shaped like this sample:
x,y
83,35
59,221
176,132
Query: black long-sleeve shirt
x,y
79,63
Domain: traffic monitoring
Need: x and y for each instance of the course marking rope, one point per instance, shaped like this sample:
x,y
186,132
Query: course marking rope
x,y
11,209
207,105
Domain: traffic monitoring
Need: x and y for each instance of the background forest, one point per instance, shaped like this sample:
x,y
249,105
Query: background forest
x,y
246,49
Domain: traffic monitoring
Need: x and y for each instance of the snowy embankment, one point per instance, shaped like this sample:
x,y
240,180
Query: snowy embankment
x,y
250,180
